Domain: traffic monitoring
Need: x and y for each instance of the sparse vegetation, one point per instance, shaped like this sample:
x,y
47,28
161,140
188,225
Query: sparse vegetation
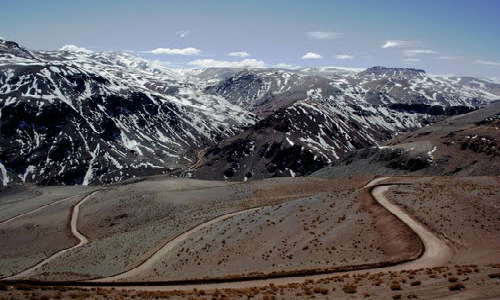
x,y
349,289
457,286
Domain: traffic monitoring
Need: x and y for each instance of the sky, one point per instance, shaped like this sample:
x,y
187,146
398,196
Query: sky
x,y
443,37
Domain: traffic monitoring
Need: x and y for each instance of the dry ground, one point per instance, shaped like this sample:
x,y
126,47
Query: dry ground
x,y
30,238
304,226
464,211
306,223
453,282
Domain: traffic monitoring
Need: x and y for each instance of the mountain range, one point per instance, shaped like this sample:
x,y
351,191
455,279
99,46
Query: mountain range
x,y
75,116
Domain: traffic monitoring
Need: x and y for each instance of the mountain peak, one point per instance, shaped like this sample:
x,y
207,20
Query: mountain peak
x,y
392,72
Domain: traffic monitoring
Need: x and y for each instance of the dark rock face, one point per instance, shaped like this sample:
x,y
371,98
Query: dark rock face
x,y
465,145
300,139
392,72
434,110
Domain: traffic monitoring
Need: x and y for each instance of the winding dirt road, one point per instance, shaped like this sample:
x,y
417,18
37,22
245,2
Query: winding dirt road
x,y
436,252
199,160
74,230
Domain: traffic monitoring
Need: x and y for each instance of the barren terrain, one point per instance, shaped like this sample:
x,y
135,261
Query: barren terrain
x,y
297,232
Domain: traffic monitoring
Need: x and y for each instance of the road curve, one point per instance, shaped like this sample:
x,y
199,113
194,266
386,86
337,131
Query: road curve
x,y
74,230
436,252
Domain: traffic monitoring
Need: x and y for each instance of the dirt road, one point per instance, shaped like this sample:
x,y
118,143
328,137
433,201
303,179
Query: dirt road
x,y
74,230
35,210
436,252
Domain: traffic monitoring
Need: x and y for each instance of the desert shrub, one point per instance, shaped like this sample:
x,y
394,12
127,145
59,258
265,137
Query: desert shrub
x,y
452,279
457,286
494,275
320,290
308,291
395,287
415,283
396,297
349,288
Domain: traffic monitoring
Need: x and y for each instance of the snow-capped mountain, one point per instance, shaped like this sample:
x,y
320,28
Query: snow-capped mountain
x,y
74,116
312,116
77,117
265,90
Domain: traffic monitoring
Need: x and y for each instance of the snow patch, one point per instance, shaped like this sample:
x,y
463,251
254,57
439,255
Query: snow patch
x,y
5,177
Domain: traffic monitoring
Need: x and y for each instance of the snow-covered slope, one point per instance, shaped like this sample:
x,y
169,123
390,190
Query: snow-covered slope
x,y
301,138
74,116
77,117
265,90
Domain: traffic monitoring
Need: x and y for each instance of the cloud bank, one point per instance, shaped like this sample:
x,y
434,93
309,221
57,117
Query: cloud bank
x,y
418,51
344,56
212,63
396,43
323,35
239,54
311,55
183,33
185,51
487,63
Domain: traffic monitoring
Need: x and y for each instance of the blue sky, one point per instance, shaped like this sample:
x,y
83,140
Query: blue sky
x,y
443,37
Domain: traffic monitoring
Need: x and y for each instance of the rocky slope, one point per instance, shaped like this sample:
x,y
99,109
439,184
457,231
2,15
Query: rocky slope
x,y
466,145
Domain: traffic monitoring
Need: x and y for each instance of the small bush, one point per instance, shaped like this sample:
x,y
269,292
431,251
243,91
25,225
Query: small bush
x,y
415,283
457,286
378,282
349,289
494,275
396,297
395,287
320,290
452,279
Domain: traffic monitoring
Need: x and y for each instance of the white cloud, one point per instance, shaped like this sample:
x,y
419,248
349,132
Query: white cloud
x,y
396,43
411,60
323,35
487,63
185,51
183,33
344,56
73,48
450,57
418,51
285,66
239,54
212,63
311,55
